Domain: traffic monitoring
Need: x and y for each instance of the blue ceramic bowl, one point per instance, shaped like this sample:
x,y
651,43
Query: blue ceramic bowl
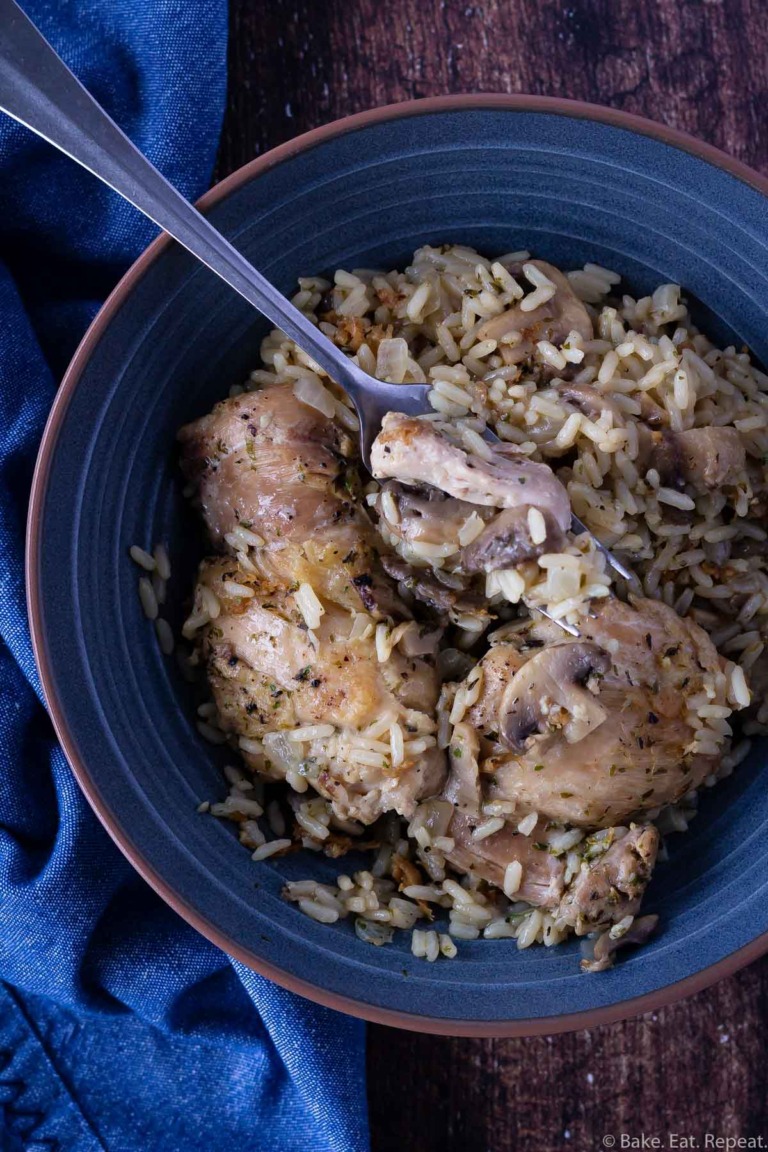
x,y
572,183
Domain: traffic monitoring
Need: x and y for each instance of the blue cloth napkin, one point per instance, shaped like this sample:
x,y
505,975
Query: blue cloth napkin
x,y
120,1027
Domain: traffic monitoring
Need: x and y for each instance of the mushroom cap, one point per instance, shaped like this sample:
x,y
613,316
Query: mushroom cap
x,y
506,541
551,681
554,321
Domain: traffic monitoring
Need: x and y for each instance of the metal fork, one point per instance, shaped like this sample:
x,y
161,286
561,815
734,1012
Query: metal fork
x,y
578,527
40,91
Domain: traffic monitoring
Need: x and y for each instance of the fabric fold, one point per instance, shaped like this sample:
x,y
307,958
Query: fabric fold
x,y
120,1027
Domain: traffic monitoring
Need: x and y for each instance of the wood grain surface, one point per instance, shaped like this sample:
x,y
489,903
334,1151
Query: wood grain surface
x,y
698,1067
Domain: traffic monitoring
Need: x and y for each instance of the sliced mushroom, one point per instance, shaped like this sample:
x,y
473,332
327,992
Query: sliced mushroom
x,y
592,403
549,684
606,945
424,514
705,458
424,585
554,321
506,541
412,450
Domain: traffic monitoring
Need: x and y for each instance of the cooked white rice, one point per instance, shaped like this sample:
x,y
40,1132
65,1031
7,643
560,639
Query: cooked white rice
x,y
421,325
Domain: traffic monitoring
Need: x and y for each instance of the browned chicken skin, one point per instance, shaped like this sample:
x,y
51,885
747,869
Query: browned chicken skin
x,y
282,470
266,675
267,463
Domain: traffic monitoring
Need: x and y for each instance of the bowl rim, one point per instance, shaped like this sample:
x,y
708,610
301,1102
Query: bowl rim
x,y
534,1026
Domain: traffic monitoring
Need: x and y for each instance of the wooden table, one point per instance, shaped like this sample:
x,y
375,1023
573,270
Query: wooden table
x,y
699,65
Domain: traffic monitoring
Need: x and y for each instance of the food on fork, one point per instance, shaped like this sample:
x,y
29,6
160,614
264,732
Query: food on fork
x,y
375,649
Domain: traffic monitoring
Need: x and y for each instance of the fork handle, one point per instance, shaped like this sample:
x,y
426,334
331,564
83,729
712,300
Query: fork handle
x,y
40,91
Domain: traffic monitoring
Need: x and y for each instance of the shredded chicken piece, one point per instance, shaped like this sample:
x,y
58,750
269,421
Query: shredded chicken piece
x,y
607,945
611,886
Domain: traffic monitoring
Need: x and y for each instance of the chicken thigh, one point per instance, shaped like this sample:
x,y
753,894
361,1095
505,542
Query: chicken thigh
x,y
612,868
593,731
268,467
270,677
